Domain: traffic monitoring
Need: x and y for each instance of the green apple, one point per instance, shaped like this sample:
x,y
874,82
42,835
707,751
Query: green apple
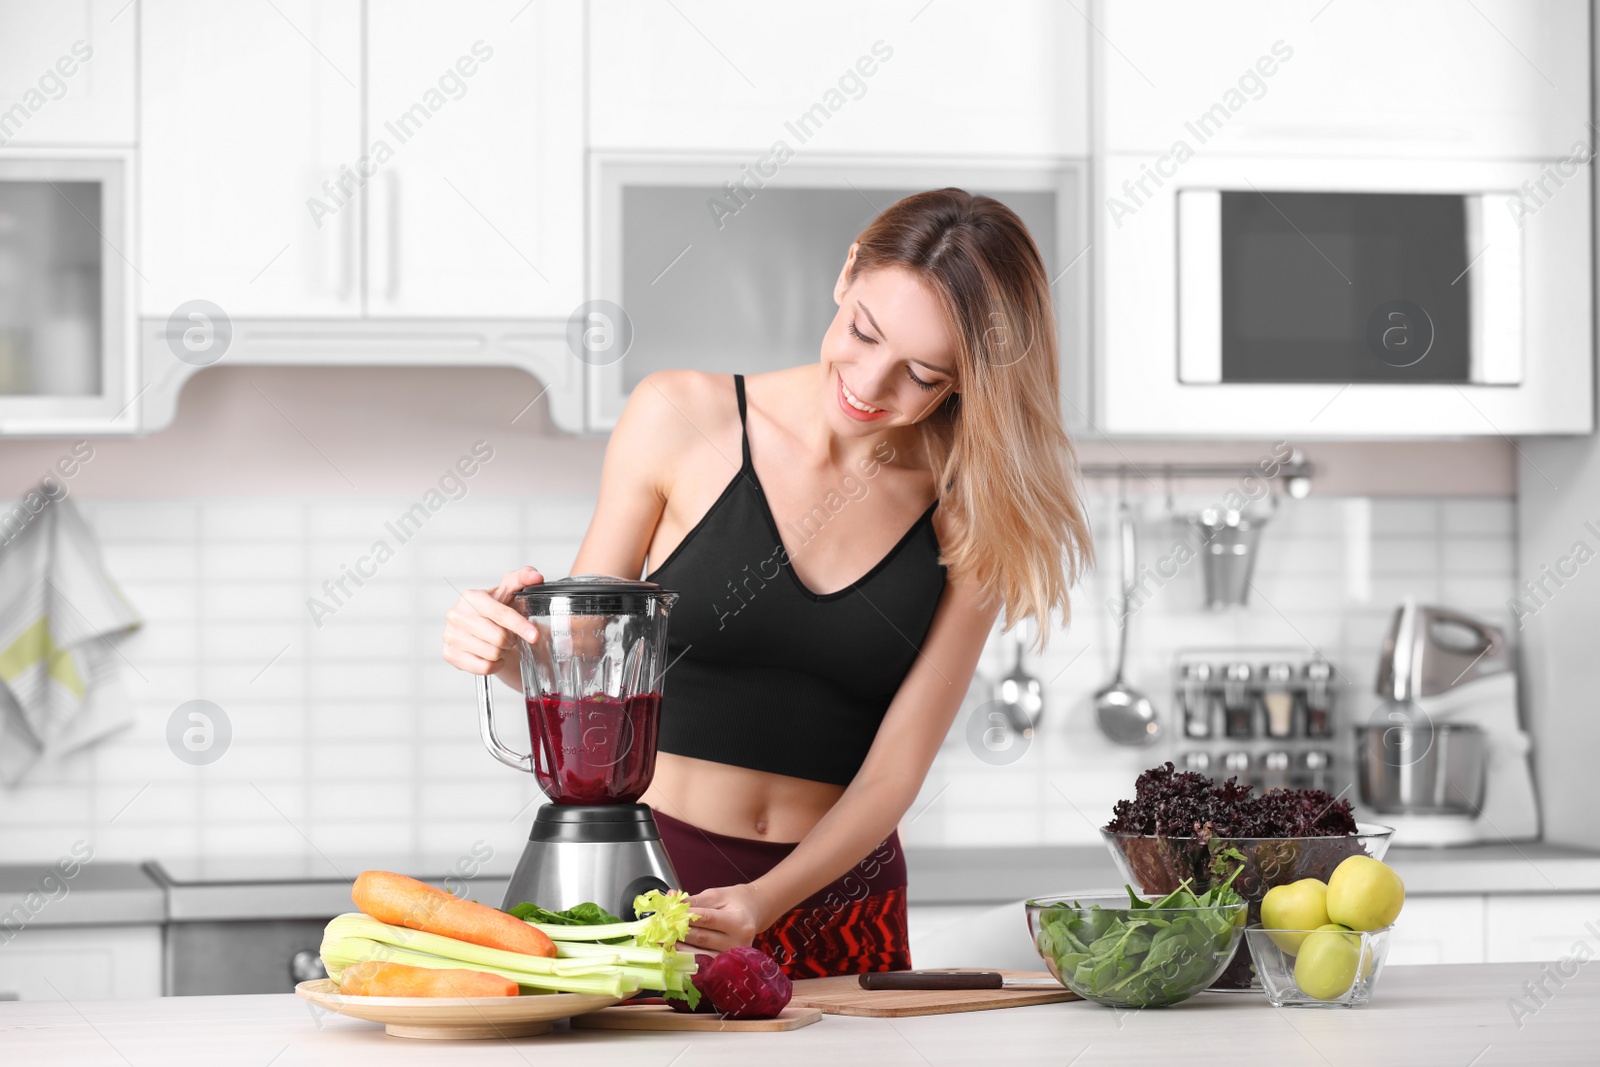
x,y
1301,906
1364,894
1328,961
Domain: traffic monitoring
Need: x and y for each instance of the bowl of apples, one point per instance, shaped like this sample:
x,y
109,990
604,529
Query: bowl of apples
x,y
1322,944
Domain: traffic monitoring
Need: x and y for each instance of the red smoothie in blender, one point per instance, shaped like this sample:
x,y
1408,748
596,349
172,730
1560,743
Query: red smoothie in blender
x,y
594,750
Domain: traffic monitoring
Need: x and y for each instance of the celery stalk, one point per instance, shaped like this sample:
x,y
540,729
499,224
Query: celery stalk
x,y
356,924
580,967
342,952
625,953
665,923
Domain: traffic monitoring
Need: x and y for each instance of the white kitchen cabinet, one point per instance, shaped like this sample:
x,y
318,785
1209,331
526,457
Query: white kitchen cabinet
x,y
479,210
67,281
250,113
67,73
1539,927
1491,79
661,255
81,963
428,166
1439,930
874,77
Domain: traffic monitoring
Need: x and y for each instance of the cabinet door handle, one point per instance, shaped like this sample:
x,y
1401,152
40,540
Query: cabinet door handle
x,y
393,293
347,254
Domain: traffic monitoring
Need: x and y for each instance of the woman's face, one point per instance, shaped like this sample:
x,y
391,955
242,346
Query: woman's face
x,y
888,357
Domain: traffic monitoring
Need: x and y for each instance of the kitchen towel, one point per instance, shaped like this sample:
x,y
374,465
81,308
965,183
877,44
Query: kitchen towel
x,y
60,618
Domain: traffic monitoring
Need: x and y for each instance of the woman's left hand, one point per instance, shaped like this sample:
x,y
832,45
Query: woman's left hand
x,y
729,915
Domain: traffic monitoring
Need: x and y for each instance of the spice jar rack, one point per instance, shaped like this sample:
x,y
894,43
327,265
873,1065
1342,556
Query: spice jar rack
x,y
1267,716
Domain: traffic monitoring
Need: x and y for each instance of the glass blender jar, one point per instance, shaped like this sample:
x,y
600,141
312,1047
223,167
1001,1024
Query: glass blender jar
x,y
592,688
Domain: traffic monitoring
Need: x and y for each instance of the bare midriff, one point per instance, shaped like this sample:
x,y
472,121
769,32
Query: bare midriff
x,y
738,801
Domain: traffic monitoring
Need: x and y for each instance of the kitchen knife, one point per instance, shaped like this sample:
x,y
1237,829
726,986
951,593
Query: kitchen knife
x,y
950,980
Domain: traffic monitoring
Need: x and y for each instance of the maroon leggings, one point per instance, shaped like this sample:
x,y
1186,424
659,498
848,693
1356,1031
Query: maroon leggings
x,y
855,923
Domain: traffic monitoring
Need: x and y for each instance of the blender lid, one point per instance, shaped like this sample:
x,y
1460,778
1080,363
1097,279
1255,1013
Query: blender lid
x,y
600,593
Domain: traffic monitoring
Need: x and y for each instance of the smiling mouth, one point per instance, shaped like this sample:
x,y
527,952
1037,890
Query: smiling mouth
x,y
851,399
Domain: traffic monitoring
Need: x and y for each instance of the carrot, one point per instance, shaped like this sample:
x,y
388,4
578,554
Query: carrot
x,y
374,978
401,901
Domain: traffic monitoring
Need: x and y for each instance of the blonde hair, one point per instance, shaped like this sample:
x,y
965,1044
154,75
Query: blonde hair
x,y
1006,469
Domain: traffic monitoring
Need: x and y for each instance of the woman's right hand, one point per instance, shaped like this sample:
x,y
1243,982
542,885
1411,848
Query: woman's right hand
x,y
482,625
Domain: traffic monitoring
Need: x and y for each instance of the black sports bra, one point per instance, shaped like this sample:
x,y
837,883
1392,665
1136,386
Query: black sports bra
x,y
763,672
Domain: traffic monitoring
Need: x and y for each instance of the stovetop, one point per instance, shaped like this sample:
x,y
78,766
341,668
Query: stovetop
x,y
253,870
245,888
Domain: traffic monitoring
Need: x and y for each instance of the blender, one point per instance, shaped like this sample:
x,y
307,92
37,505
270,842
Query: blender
x,y
592,688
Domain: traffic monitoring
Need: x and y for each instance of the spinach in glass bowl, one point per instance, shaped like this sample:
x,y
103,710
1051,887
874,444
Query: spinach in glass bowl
x,y
1147,952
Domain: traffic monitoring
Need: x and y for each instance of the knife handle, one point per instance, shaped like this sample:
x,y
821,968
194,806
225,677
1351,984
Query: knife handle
x,y
932,980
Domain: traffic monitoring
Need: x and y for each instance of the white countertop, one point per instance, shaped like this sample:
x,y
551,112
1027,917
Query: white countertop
x,y
1453,1015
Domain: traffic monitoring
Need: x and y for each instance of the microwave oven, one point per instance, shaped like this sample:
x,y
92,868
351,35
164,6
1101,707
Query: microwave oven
x,y
1346,297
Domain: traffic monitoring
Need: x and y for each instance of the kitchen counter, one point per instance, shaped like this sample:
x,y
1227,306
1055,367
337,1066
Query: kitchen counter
x,y
985,875
98,894
1454,1015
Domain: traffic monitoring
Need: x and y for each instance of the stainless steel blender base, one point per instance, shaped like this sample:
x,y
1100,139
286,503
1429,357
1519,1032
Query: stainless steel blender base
x,y
604,854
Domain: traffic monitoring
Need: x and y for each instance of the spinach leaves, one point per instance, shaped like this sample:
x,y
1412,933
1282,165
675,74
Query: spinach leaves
x,y
585,914
1145,955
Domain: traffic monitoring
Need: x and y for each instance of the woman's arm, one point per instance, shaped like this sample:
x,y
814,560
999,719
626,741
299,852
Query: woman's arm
x,y
637,477
656,429
883,789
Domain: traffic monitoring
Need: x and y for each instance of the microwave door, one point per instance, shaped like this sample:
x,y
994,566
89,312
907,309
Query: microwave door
x,y
1200,286
1494,288
1281,287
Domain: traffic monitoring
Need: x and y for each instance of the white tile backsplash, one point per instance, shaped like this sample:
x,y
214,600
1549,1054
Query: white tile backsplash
x,y
1398,516
1492,517
1478,555
355,735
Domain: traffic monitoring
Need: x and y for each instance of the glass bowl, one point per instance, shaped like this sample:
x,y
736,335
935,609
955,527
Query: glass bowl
x,y
1160,864
1325,969
1154,956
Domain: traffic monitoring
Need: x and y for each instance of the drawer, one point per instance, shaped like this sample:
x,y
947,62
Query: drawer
x,y
81,963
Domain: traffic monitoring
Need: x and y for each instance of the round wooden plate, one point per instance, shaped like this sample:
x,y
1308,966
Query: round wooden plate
x,y
456,1018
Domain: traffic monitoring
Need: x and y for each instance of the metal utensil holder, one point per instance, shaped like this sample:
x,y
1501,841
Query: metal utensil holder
x,y
1228,542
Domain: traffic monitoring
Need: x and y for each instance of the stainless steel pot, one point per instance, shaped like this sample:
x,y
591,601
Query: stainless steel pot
x,y
1422,768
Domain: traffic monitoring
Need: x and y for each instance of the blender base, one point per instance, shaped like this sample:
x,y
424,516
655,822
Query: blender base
x,y
606,854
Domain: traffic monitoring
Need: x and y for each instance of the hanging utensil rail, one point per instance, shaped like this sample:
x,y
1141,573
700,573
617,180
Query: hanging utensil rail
x,y
1294,474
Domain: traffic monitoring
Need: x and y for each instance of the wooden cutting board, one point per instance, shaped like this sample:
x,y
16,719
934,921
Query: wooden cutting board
x,y
843,995
662,1017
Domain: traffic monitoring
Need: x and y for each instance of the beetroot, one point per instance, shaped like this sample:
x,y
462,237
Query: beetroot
x,y
702,961
739,983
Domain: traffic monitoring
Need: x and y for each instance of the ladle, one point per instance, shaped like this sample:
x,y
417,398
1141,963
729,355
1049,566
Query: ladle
x,y
1126,715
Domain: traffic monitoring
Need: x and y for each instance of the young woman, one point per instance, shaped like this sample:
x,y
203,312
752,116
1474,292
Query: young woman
x,y
843,535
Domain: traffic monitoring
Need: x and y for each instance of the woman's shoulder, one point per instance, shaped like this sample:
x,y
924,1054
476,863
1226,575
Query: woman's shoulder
x,y
670,408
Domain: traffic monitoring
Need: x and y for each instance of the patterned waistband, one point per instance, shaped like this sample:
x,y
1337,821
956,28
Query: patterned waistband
x,y
704,859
